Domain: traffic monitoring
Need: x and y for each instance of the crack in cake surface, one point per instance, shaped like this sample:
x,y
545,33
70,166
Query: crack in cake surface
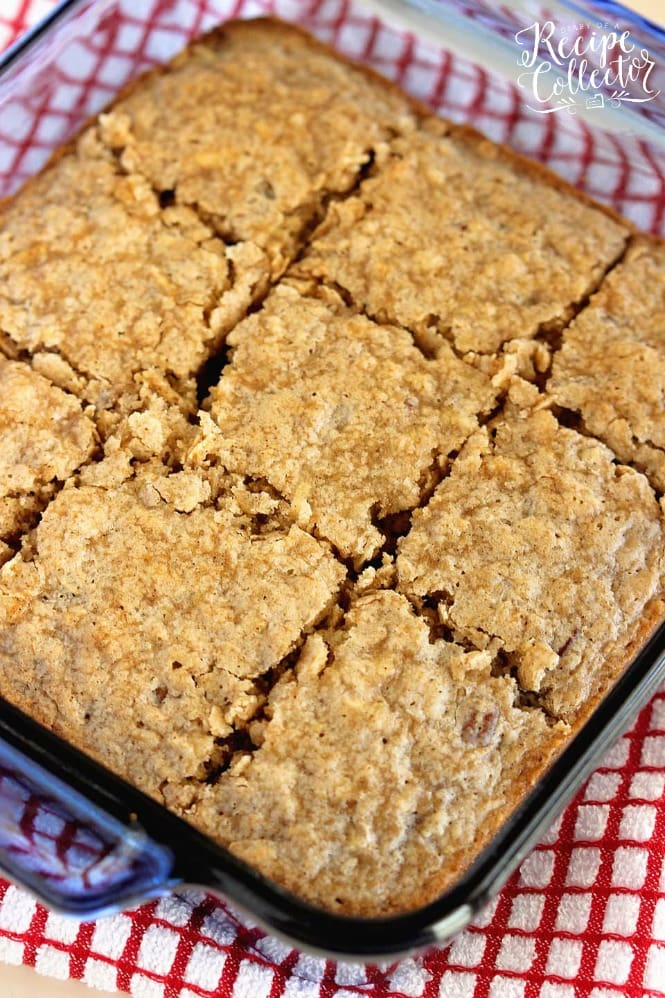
x,y
46,437
553,336
230,158
531,359
105,228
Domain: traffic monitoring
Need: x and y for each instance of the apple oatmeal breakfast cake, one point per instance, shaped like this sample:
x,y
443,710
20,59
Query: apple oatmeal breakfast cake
x,y
330,481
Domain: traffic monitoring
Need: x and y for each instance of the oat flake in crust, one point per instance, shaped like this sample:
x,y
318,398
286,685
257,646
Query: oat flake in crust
x,y
45,437
611,366
455,238
342,416
538,545
255,125
139,624
388,761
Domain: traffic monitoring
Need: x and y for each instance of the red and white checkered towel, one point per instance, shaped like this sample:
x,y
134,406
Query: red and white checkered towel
x,y
585,915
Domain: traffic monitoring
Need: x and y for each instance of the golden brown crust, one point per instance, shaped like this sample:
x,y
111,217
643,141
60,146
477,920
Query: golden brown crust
x,y
96,275
167,258
423,114
618,658
540,172
419,110
256,127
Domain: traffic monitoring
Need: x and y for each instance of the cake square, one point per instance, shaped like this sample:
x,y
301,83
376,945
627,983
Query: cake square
x,y
386,761
455,238
139,620
95,276
540,546
342,416
256,126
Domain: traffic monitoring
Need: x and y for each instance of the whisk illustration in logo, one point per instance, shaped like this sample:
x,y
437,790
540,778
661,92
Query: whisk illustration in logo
x,y
565,67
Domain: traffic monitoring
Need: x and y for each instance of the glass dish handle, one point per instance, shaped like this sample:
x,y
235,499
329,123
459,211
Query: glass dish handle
x,y
74,855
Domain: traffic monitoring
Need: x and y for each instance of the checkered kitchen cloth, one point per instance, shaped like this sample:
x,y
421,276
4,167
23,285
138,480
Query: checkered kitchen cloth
x,y
585,914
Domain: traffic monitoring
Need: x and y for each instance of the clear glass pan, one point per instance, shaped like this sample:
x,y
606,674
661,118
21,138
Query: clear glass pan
x,y
79,837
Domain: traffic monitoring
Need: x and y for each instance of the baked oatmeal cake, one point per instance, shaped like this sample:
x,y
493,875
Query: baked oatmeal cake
x,y
344,616
610,370
44,437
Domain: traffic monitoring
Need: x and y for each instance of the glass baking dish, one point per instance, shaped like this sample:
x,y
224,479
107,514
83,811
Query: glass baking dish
x,y
82,839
